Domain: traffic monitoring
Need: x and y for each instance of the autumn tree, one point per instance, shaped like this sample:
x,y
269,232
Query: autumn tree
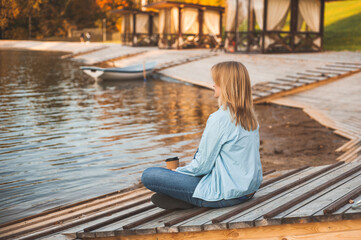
x,y
8,10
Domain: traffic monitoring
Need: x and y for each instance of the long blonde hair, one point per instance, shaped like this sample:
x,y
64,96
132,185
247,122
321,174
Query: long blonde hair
x,y
235,92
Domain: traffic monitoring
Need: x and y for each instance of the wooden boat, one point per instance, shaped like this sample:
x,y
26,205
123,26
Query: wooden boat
x,y
123,73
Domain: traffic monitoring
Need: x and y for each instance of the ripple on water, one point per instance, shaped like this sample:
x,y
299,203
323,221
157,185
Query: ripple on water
x,y
63,140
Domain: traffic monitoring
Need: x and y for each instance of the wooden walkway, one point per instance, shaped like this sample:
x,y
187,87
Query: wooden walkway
x,y
336,105
308,195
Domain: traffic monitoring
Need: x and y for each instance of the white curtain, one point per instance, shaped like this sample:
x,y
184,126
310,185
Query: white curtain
x,y
211,22
310,11
231,13
161,21
155,24
174,20
142,23
258,9
277,13
190,23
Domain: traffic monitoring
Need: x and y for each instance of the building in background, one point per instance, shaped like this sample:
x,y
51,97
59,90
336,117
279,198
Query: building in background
x,y
274,25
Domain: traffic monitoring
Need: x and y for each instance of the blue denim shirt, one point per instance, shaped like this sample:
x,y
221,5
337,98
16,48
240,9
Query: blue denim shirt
x,y
228,159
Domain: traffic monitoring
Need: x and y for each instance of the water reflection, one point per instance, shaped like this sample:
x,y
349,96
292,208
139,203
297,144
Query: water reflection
x,y
63,139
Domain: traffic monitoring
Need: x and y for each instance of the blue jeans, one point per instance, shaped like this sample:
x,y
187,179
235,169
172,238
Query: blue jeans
x,y
181,186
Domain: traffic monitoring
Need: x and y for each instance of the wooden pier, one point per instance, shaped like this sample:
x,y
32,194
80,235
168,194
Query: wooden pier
x,y
308,202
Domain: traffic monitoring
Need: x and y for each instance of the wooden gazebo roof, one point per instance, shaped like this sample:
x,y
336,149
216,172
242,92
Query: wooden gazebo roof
x,y
124,11
170,4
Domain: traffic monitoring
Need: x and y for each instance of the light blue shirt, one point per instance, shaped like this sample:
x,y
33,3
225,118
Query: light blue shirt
x,y
227,158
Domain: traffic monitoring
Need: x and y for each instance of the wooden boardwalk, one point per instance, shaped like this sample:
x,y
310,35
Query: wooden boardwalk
x,y
336,105
305,201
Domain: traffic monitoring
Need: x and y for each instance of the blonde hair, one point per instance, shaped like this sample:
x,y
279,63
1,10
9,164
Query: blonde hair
x,y
235,92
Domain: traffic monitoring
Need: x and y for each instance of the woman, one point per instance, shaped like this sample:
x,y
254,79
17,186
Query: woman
x,y
226,169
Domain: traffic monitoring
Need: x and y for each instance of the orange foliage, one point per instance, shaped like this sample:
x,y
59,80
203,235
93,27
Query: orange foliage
x,y
107,5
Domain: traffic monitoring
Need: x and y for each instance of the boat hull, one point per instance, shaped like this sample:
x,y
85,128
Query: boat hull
x,y
126,73
101,75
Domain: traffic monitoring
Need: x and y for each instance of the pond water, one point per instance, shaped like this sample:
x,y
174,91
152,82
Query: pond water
x,y
64,139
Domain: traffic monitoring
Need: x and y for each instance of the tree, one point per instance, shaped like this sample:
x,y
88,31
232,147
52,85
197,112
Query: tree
x,y
8,10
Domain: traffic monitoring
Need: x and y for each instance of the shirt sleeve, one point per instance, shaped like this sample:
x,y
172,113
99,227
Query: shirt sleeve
x,y
209,148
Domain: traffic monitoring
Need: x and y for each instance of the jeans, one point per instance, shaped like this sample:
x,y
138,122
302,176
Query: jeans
x,y
181,186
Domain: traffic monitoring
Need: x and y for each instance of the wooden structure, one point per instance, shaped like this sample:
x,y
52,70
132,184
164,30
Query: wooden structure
x,y
139,28
274,25
186,25
310,202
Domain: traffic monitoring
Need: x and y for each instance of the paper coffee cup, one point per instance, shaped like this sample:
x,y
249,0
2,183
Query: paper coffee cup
x,y
172,163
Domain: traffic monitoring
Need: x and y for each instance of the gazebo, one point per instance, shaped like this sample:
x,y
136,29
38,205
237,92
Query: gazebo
x,y
138,28
274,25
186,25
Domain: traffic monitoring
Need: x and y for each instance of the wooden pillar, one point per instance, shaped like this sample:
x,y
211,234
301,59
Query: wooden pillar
x,y
294,22
150,26
249,26
179,25
134,28
220,23
265,3
200,22
322,21
236,28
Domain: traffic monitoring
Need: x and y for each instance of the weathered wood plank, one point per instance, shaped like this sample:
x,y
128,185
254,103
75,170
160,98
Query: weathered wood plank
x,y
68,211
82,226
255,215
275,192
340,228
308,193
205,219
321,200
76,218
159,223
117,226
345,199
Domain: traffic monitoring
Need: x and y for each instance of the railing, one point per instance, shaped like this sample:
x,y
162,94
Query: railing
x,y
140,39
184,41
274,41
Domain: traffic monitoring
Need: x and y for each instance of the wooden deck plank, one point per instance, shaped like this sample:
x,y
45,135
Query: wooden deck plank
x,y
194,223
81,227
115,228
323,199
67,216
257,213
119,225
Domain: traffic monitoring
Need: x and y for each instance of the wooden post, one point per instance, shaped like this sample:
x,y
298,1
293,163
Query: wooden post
x,y
220,23
322,2
179,25
265,3
249,26
29,26
236,28
150,26
134,28
294,22
200,22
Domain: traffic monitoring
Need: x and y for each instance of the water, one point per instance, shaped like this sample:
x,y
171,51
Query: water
x,y
63,139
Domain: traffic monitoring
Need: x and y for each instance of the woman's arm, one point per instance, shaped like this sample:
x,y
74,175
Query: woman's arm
x,y
209,148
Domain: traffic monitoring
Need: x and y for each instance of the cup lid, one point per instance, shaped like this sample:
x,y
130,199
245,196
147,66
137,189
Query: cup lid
x,y
172,159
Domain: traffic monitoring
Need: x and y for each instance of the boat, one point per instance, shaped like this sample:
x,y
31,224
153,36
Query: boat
x,y
138,71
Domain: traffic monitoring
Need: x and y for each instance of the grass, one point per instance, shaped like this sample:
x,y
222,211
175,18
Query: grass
x,y
343,25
